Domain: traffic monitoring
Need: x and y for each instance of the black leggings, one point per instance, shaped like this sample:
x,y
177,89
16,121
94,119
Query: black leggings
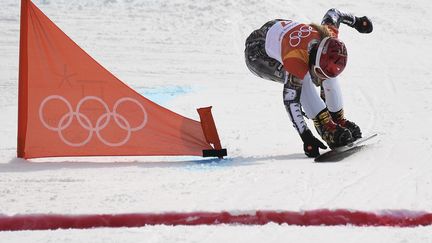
x,y
257,60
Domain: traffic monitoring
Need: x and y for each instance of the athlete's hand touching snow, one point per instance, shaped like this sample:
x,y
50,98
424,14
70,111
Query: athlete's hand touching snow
x,y
311,144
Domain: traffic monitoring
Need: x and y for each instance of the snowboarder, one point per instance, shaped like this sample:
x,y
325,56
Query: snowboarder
x,y
301,56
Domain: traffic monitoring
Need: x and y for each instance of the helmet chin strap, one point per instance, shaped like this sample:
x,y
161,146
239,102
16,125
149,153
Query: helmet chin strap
x,y
320,74
316,76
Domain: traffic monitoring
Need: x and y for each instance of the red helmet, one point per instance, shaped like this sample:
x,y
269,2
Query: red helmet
x,y
331,57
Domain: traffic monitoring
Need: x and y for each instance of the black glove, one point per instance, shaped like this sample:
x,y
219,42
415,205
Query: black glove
x,y
311,144
363,24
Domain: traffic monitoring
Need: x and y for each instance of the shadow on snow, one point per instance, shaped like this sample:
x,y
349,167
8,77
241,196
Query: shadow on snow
x,y
22,165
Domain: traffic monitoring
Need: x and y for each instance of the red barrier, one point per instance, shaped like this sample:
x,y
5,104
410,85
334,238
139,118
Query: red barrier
x,y
321,217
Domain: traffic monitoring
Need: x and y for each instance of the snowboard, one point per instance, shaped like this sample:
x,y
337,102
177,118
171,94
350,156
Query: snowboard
x,y
341,153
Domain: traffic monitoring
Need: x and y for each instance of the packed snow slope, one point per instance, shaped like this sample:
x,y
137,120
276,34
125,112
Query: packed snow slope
x,y
187,54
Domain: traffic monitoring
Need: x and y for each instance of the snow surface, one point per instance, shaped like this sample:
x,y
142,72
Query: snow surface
x,y
193,51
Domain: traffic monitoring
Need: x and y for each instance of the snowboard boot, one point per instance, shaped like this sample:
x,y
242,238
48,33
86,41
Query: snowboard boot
x,y
333,134
339,118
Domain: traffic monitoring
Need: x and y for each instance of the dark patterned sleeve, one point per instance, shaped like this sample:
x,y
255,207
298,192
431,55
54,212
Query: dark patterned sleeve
x,y
335,17
291,98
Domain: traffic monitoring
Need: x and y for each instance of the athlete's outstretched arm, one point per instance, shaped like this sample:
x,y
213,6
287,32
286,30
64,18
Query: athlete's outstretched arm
x,y
335,17
291,97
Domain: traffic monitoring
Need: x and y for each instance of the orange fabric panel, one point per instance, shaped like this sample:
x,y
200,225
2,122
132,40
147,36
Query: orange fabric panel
x,y
297,61
295,46
75,107
209,127
23,81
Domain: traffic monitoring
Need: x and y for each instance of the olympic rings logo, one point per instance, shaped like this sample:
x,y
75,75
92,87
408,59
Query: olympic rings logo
x,y
296,36
85,122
